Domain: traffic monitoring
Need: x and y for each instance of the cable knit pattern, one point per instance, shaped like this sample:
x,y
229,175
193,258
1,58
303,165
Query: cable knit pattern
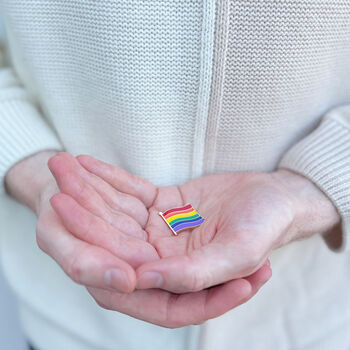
x,y
171,90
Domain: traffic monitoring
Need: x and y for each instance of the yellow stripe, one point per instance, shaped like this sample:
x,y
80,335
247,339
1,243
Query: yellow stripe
x,y
171,218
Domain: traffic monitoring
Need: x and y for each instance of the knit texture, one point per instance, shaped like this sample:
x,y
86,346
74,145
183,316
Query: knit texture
x,y
118,80
172,90
324,157
279,67
23,131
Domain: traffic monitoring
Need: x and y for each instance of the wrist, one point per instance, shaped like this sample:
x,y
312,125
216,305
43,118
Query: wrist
x,y
28,180
313,211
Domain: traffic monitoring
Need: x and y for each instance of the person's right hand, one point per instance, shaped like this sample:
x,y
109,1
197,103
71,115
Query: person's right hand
x,y
32,184
116,218
84,263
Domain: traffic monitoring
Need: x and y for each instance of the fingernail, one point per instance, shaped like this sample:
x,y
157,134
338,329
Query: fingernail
x,y
116,279
150,280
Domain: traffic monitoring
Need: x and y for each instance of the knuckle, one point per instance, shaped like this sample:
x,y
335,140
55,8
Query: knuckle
x,y
253,251
252,260
192,281
74,269
116,196
101,304
88,228
85,193
40,243
39,237
255,255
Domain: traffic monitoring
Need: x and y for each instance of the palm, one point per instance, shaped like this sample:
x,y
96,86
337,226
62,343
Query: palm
x,y
245,217
159,234
208,196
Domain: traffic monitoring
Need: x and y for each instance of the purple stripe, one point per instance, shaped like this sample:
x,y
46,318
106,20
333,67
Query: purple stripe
x,y
188,225
185,220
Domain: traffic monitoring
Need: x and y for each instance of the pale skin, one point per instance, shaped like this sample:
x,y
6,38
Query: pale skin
x,y
101,225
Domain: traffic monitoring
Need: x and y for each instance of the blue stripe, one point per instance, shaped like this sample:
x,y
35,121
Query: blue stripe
x,y
189,224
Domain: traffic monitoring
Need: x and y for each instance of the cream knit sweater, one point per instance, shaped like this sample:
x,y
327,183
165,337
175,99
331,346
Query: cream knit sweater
x,y
172,90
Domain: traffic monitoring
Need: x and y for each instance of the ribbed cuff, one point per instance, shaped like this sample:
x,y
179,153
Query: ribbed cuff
x,y
23,132
324,157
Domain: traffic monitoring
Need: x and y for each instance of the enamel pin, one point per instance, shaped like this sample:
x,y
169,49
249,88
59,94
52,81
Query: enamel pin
x,y
181,218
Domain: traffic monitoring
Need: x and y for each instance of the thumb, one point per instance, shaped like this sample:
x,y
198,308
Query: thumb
x,y
208,266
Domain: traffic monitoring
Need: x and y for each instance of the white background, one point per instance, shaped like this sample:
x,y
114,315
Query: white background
x,y
11,337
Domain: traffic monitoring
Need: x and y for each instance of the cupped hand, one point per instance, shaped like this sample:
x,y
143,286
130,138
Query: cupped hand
x,y
84,263
247,216
110,208
31,183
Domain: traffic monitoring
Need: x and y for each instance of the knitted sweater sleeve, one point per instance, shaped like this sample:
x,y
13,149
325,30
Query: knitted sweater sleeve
x,y
323,156
23,130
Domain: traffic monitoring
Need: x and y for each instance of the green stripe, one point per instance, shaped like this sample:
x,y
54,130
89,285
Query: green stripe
x,y
183,218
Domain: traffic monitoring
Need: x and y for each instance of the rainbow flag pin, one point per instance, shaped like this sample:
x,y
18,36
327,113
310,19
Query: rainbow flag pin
x,y
181,218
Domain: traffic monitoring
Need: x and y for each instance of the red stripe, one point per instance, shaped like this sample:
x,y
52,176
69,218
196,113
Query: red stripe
x,y
179,212
188,206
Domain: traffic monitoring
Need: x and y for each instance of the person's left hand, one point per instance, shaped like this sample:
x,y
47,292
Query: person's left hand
x,y
247,216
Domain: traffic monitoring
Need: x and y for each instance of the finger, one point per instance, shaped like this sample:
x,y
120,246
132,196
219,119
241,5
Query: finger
x,y
116,200
120,179
92,229
173,310
208,266
260,277
83,263
120,201
74,180
256,281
